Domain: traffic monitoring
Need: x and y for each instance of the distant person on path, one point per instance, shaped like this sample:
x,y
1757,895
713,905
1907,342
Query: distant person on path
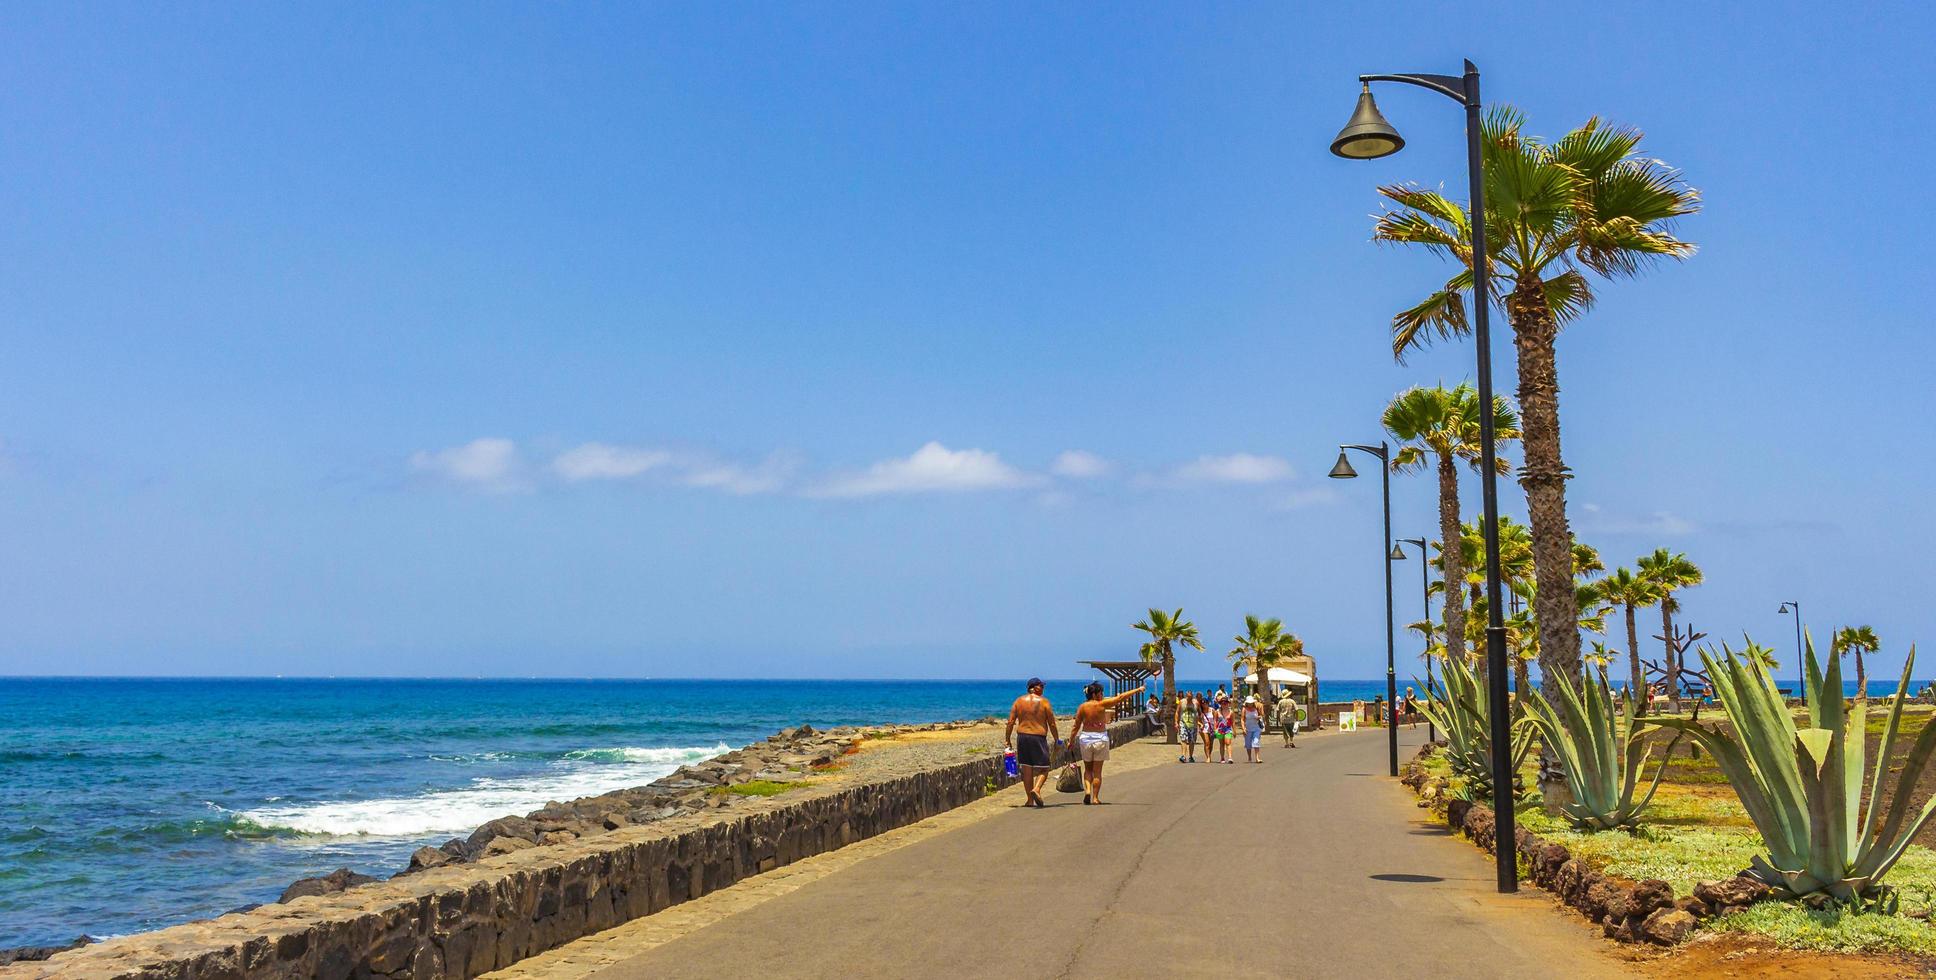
x,y
1207,723
1188,713
1411,706
1287,717
1031,723
1223,721
1091,729
1253,730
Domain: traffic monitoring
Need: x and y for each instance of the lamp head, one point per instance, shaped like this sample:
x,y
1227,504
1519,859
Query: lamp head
x,y
1343,470
1367,136
1398,552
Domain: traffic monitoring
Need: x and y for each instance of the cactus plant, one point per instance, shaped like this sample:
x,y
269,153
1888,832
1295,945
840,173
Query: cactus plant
x,y
1803,787
1601,752
1459,708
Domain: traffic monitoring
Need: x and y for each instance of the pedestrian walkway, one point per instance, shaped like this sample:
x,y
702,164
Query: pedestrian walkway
x,y
1314,864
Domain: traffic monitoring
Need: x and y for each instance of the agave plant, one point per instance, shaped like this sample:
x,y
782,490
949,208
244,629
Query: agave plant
x,y
1459,708
1803,787
1601,751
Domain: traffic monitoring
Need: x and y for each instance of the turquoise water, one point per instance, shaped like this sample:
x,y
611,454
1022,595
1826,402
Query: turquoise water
x,y
135,804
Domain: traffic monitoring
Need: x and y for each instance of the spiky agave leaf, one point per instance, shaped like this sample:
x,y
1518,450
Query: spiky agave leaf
x,y
1601,753
1803,786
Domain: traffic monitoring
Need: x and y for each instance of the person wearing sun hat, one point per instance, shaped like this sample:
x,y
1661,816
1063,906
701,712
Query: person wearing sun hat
x,y
1253,729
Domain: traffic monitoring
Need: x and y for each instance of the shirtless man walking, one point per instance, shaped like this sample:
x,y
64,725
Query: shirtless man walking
x,y
1092,735
1031,724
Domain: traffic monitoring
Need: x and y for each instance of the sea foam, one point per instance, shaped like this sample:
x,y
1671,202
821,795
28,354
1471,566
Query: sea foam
x,y
587,772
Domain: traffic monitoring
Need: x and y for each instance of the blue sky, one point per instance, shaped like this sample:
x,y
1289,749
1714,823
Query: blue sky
x,y
927,341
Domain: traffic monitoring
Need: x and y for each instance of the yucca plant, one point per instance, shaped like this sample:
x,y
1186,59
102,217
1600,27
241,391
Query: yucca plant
x,y
1459,708
1601,750
1803,787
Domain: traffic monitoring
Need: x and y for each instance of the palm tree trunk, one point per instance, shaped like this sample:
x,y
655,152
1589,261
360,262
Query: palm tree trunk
x,y
1453,554
1169,695
1861,679
1543,477
1673,662
1479,645
1639,678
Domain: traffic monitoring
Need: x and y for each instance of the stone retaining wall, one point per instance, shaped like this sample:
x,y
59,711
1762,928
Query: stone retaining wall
x,y
466,920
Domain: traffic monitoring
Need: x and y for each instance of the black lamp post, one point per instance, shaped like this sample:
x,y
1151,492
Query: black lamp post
x,y
1801,660
1367,137
1343,471
1425,581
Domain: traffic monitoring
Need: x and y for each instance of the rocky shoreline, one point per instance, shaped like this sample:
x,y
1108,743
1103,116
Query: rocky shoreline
x,y
791,756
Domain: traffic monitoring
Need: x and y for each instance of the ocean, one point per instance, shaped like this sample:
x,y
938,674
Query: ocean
x,y
132,804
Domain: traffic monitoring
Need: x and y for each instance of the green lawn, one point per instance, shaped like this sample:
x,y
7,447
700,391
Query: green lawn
x,y
756,787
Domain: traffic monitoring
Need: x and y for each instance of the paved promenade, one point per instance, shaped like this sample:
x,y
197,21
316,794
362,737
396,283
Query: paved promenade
x,y
1314,864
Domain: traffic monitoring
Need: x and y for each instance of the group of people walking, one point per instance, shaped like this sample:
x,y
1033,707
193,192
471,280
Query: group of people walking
x,y
1033,734
1216,719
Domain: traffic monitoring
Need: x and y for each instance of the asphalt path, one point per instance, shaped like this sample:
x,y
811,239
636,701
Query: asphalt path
x,y
1313,864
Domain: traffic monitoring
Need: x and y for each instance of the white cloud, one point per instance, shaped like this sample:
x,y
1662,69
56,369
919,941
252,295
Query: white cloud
x,y
1079,465
598,461
1595,519
489,464
1234,468
932,468
769,476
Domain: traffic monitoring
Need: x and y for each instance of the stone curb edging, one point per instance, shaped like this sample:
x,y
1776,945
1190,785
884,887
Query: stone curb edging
x,y
463,921
1628,911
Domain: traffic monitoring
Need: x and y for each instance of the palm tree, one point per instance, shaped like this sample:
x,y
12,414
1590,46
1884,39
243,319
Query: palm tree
x,y
1624,588
1443,423
1261,645
1515,571
1599,655
1555,212
1861,639
1166,630
1670,573
1756,653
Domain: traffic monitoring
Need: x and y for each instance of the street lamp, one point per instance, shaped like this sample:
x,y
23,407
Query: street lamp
x,y
1343,471
1367,137
1425,580
1801,661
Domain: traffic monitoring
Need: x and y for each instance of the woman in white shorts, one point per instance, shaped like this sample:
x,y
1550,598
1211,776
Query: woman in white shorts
x,y
1092,735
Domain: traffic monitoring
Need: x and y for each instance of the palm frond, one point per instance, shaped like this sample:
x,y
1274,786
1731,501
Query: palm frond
x,y
1440,315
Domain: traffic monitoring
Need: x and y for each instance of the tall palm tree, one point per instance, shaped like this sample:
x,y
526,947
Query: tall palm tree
x,y
1261,645
1441,425
1670,573
1861,639
1166,631
1588,202
1632,591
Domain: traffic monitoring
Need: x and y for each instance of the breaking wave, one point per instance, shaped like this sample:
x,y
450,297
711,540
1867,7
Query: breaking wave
x,y
586,772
